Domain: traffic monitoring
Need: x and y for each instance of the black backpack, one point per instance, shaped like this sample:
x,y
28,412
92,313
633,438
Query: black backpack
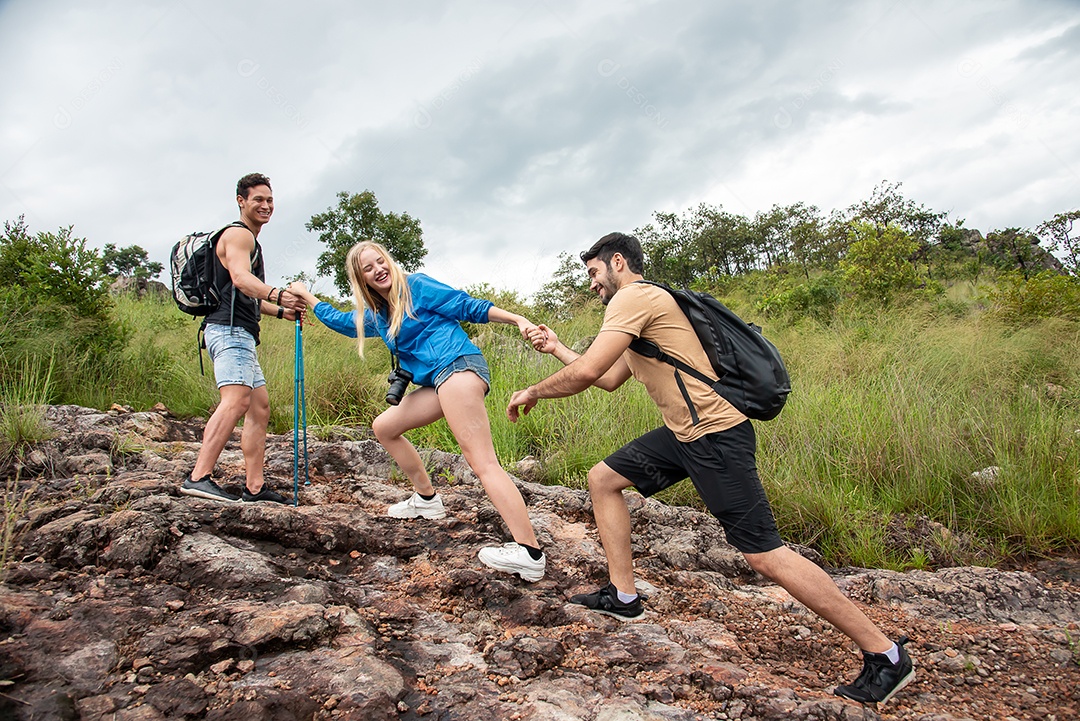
x,y
752,376
192,263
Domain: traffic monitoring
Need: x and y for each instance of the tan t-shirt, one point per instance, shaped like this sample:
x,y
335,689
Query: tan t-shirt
x,y
648,312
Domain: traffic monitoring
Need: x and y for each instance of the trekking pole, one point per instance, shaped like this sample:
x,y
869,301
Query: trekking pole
x,y
296,417
303,401
299,413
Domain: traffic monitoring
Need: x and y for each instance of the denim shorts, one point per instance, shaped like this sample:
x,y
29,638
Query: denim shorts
x,y
474,362
232,349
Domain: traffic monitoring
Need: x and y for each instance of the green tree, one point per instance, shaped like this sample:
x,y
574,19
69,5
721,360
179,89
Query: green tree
x,y
56,302
878,265
356,218
1059,236
701,245
887,207
952,257
1015,249
567,291
54,268
668,244
131,261
806,237
724,242
836,236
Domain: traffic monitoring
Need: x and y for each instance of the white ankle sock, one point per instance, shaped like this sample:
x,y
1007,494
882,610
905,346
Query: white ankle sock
x,y
625,597
894,654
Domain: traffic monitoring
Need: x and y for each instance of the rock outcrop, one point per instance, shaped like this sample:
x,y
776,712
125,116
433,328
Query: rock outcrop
x,y
125,600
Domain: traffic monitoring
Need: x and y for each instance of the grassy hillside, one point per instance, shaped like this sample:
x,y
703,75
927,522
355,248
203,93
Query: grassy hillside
x,y
894,418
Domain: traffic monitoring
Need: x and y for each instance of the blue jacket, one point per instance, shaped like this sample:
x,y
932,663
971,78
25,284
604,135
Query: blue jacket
x,y
427,343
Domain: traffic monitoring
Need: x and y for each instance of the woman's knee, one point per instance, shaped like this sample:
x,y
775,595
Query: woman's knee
x,y
487,468
383,428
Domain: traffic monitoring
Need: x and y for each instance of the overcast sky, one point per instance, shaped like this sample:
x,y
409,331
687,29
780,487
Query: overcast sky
x,y
517,130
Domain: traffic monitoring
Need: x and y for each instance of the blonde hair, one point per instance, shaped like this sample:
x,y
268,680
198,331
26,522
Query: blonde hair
x,y
399,302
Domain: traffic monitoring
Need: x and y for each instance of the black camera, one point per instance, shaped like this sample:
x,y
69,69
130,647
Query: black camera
x,y
399,379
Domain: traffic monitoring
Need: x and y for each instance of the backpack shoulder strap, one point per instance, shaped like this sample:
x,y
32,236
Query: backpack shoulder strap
x,y
235,224
650,350
213,268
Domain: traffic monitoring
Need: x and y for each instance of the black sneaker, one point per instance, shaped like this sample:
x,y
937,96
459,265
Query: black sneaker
x,y
880,678
267,494
206,488
606,601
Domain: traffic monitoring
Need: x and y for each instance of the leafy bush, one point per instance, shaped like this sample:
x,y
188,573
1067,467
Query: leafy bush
x,y
1044,295
817,298
54,304
54,268
878,265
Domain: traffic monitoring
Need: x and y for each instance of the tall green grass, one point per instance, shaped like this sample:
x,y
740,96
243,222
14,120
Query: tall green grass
x,y
895,415
22,424
891,415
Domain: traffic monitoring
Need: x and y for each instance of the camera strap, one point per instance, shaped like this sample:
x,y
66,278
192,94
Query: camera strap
x,y
394,362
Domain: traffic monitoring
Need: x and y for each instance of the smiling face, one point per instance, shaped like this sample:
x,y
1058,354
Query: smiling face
x,y
257,207
375,271
601,279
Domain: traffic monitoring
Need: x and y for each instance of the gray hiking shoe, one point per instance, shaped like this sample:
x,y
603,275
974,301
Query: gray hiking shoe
x,y
206,488
265,495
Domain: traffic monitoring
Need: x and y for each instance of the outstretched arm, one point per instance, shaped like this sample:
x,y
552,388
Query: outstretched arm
x,y
577,376
286,313
299,289
545,340
498,315
343,322
234,249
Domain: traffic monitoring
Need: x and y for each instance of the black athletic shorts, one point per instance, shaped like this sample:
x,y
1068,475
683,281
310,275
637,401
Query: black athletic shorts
x,y
723,470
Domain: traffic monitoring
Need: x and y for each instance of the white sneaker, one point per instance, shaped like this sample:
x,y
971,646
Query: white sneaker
x,y
514,558
417,507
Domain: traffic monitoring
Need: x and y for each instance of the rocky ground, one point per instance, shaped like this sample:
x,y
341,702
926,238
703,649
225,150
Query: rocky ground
x,y
124,600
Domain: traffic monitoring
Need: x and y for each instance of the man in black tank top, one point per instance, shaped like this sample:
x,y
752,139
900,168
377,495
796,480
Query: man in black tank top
x,y
231,334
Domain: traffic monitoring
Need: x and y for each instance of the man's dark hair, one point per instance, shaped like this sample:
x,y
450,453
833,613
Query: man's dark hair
x,y
249,181
625,245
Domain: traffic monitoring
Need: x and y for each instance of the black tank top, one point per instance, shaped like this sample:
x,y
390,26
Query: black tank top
x,y
246,311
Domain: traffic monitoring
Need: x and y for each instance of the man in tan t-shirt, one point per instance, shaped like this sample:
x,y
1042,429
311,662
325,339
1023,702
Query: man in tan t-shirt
x,y
703,437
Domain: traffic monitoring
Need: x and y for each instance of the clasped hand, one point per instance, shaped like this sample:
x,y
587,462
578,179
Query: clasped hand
x,y
544,340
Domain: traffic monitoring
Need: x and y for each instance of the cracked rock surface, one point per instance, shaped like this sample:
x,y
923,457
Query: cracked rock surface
x,y
125,600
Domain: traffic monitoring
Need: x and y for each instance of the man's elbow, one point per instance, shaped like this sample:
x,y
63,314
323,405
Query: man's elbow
x,y
595,376
607,384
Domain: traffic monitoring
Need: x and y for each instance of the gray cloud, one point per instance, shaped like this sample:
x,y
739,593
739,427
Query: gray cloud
x,y
514,132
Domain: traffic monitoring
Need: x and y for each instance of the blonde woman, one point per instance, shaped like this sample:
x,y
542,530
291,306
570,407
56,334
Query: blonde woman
x,y
419,320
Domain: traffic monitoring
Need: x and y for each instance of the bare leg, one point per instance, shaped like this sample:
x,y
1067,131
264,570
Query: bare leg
x,y
235,401
814,588
417,409
462,400
613,521
253,438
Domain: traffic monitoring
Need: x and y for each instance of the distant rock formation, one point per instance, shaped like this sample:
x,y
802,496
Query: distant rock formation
x,y
125,600
138,286
1010,250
